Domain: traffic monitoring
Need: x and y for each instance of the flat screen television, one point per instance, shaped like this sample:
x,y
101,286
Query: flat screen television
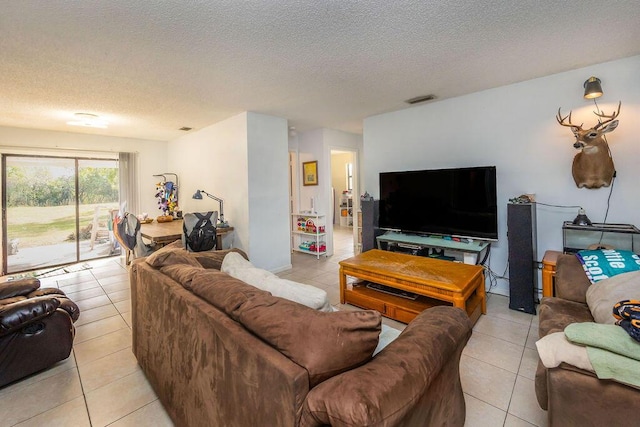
x,y
457,202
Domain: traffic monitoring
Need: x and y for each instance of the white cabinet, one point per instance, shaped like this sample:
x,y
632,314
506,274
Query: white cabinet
x,y
346,210
308,234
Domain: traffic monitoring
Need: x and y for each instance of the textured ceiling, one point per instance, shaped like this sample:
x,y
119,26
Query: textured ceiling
x,y
151,67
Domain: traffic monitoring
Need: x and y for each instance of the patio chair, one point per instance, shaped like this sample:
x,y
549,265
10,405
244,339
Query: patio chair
x,y
36,328
104,228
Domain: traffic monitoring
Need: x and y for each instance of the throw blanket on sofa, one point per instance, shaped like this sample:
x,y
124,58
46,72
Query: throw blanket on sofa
x,y
612,352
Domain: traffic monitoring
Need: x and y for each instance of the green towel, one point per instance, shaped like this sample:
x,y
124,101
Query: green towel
x,y
605,336
610,365
612,352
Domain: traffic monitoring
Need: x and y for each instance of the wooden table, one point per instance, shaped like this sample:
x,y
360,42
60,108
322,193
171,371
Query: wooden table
x,y
162,233
549,272
437,282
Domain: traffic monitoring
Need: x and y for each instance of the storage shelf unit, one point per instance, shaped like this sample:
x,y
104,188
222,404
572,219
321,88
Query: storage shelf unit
x,y
346,210
308,234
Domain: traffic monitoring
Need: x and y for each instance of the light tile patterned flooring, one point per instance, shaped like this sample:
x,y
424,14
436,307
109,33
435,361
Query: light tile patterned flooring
x,y
101,384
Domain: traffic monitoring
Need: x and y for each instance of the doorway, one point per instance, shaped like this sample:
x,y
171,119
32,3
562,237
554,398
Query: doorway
x,y
345,200
57,210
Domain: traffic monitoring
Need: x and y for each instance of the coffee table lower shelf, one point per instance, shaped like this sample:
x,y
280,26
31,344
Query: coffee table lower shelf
x,y
402,309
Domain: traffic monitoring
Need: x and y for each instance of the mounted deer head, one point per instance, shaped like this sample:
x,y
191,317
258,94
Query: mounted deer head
x,y
593,165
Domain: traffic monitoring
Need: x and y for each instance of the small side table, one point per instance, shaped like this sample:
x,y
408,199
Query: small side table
x,y
220,233
549,272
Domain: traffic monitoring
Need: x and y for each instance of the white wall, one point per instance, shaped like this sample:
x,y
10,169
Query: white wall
x,y
269,222
310,148
229,160
514,128
152,154
214,159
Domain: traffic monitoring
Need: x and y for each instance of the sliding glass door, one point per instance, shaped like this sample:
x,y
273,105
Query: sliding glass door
x,y
57,210
97,206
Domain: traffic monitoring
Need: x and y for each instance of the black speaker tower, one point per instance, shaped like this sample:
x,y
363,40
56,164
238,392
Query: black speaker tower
x,y
369,224
523,275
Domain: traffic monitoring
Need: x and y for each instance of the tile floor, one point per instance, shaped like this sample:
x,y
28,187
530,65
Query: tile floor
x,y
102,385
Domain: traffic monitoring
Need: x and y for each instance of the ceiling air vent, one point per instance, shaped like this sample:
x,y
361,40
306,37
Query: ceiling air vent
x,y
419,99
185,128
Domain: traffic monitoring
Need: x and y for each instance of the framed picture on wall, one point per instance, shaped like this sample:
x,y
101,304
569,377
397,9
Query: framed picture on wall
x,y
310,173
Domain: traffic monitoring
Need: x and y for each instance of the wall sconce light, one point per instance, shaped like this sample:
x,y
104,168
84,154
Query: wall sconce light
x,y
592,88
581,218
198,196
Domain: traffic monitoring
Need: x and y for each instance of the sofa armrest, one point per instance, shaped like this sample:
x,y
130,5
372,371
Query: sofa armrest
x,y
571,281
65,303
416,377
20,314
20,287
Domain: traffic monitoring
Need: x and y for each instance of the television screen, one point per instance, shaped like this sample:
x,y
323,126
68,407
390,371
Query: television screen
x,y
456,202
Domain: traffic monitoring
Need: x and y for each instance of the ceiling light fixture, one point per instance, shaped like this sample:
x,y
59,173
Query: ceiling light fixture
x,y
185,128
88,120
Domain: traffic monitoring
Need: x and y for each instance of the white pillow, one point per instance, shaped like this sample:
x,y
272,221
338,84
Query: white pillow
x,y
603,295
237,266
387,335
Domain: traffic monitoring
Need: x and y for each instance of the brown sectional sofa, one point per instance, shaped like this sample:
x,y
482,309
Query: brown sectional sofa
x,y
218,351
573,396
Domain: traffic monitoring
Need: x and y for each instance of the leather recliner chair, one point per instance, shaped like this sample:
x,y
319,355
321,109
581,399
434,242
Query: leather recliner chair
x,y
36,328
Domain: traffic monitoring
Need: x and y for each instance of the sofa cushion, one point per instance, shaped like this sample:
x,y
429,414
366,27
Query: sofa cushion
x,y
604,263
602,296
170,254
324,343
182,273
571,281
556,313
240,268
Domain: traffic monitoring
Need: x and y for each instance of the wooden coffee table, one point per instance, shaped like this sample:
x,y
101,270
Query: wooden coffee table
x,y
437,282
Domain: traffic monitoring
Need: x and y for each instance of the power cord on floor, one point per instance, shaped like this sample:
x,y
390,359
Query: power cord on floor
x,y
492,275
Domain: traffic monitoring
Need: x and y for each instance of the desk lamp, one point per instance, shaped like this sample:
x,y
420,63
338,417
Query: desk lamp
x,y
198,196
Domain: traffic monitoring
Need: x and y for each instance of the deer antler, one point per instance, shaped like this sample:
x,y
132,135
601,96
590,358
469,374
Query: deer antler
x,y
606,116
561,120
